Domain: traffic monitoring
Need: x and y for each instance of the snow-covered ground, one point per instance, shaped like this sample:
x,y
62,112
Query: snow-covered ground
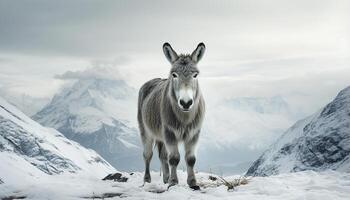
x,y
301,185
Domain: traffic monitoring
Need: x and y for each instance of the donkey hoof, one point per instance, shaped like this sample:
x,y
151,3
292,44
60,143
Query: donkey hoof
x,y
195,187
165,180
147,179
173,182
171,185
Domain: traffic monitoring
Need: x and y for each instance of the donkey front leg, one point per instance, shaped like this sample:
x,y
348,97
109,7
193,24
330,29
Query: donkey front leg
x,y
173,155
163,156
147,156
190,157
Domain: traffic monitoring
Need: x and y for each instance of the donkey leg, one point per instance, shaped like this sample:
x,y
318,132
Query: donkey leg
x,y
174,159
163,157
191,160
173,156
147,156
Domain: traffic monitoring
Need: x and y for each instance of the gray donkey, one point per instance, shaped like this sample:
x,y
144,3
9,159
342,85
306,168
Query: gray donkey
x,y
171,111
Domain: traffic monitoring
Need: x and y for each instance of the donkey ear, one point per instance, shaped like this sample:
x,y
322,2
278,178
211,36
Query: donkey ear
x,y
169,52
198,52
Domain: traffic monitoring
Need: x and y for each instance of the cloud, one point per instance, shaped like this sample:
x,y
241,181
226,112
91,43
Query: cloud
x,y
91,73
100,69
230,28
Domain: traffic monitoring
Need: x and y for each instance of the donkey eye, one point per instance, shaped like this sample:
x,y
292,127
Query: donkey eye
x,y
195,75
174,75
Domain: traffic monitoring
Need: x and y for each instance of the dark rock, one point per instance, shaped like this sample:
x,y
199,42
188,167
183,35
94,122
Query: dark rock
x,y
212,178
195,187
116,177
104,196
13,197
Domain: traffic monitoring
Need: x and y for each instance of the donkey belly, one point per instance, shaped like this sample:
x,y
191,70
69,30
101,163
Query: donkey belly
x,y
153,130
151,117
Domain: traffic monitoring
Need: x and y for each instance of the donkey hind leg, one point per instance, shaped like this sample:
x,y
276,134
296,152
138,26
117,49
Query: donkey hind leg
x,y
147,156
190,161
163,157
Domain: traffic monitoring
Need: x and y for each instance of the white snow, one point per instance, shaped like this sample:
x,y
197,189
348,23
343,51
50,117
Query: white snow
x,y
302,185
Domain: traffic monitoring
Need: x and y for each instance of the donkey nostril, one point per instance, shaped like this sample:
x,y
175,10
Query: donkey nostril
x,y
189,103
182,102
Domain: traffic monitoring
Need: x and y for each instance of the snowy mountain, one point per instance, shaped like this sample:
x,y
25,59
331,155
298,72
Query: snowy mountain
x,y
98,113
319,142
29,151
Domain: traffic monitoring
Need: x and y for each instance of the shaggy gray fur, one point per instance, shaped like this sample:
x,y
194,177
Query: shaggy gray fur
x,y
165,118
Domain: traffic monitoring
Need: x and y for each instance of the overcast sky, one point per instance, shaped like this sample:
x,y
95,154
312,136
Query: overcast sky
x,y
297,49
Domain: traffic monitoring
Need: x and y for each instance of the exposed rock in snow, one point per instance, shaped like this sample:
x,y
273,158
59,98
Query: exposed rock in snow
x,y
29,151
116,177
319,142
96,113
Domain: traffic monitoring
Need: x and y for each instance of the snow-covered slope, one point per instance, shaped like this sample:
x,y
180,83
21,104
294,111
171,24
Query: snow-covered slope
x,y
29,151
302,185
319,142
96,113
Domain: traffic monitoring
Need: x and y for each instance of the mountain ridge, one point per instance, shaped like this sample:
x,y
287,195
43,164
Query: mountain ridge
x,y
318,142
96,113
31,151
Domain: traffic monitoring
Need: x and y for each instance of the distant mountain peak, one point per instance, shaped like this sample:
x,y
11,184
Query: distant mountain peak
x,y
97,113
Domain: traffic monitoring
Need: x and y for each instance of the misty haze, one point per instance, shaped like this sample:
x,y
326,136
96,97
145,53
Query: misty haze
x,y
274,77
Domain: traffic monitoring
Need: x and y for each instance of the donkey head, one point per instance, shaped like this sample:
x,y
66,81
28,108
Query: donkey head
x,y
183,75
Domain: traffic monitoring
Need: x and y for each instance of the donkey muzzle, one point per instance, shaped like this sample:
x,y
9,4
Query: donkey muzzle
x,y
186,105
